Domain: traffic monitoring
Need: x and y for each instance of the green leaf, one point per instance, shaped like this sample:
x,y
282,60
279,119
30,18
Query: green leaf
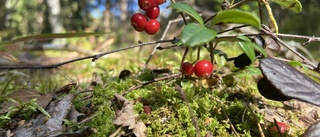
x,y
244,38
185,8
249,70
220,59
297,64
195,35
4,118
52,36
229,80
236,16
43,111
259,48
248,49
246,41
293,5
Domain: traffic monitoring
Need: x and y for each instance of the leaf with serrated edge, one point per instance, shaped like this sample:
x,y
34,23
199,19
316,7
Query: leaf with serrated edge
x,y
185,8
236,16
195,35
293,5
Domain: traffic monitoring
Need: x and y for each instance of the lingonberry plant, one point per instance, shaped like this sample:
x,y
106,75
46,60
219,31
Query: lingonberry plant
x,y
154,13
159,2
138,21
187,68
147,5
203,69
152,27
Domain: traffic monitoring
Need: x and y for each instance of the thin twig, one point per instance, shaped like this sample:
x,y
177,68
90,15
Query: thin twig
x,y
159,44
287,60
309,38
194,119
260,11
116,133
231,125
240,3
150,82
277,126
233,28
304,59
184,56
93,57
257,121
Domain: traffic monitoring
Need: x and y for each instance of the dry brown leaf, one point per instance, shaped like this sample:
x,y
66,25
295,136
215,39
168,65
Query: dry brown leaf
x,y
126,117
139,129
67,88
25,95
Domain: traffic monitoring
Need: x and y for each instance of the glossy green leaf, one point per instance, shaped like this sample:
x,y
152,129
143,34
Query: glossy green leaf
x,y
186,8
253,45
259,48
220,59
293,5
244,38
195,35
52,36
248,49
236,16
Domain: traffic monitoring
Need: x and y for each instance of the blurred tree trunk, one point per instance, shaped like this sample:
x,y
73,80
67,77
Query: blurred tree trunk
x,y
2,14
107,16
54,16
123,9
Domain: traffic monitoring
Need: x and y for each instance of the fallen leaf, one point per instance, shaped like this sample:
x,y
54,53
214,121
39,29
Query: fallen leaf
x,y
139,129
289,82
126,117
25,95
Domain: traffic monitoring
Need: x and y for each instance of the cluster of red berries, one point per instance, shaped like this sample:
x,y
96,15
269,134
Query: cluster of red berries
x,y
202,68
140,22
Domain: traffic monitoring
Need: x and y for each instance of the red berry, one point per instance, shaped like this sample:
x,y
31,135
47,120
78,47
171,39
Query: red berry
x,y
187,68
147,109
154,13
147,5
138,21
152,27
203,69
283,127
161,1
